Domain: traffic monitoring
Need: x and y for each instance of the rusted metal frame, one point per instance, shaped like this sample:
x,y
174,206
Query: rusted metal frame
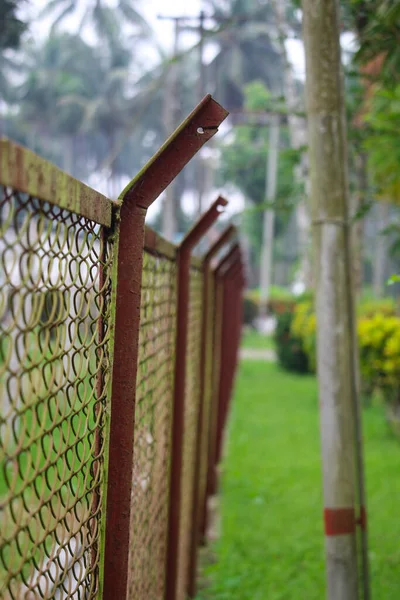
x,y
198,492
227,335
155,244
27,172
213,401
129,229
183,260
225,269
158,246
234,291
228,351
232,326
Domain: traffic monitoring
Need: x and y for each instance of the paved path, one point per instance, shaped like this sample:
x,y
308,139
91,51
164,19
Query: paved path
x,y
258,354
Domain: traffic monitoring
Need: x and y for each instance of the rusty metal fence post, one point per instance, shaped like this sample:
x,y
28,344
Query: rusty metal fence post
x,y
224,275
183,259
233,288
199,127
200,474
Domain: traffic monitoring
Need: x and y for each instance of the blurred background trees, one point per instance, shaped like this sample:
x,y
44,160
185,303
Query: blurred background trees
x,y
86,94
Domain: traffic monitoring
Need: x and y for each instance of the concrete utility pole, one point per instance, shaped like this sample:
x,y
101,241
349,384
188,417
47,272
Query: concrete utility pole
x,y
170,118
169,227
343,482
200,167
271,177
298,138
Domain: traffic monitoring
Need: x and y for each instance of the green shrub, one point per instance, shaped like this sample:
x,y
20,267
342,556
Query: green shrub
x,y
289,348
372,306
304,328
379,342
379,347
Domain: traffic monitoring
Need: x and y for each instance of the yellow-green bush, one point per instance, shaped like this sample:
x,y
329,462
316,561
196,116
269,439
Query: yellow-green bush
x,y
379,343
304,327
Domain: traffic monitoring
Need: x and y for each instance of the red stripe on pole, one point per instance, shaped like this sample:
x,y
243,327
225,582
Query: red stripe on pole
x,y
339,521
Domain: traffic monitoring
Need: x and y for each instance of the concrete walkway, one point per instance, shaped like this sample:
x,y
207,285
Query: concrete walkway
x,y
266,354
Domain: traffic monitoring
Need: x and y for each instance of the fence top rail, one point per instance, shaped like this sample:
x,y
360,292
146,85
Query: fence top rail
x,y
27,172
159,246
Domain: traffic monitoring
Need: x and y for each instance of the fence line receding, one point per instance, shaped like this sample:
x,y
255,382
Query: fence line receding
x,y
99,414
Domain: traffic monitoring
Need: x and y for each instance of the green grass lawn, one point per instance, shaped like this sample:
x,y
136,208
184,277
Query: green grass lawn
x,y
257,341
271,547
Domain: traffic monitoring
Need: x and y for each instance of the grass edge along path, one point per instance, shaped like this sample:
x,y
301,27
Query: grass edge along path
x,y
271,545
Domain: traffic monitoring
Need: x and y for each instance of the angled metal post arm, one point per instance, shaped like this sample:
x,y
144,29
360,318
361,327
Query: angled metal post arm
x,y
128,224
223,239
184,253
232,257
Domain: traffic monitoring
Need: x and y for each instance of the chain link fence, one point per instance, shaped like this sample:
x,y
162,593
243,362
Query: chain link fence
x,y
89,334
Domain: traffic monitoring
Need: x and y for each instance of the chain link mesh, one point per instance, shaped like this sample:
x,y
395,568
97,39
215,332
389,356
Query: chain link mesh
x,y
54,369
192,398
153,424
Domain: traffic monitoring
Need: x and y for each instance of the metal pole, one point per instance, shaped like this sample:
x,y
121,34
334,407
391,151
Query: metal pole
x,y
271,177
199,484
127,274
225,270
183,258
170,108
200,93
336,350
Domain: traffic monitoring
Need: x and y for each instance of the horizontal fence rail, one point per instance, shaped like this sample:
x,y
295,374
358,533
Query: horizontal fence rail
x,y
117,357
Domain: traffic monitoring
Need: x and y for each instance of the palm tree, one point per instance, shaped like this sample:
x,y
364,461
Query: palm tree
x,y
247,49
62,66
11,26
106,21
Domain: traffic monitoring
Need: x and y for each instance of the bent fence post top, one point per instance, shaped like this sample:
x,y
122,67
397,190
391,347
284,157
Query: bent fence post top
x,y
232,258
184,251
201,125
134,201
201,227
223,239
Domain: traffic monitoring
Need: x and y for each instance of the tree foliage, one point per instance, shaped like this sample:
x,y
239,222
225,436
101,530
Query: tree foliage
x,y
244,160
11,26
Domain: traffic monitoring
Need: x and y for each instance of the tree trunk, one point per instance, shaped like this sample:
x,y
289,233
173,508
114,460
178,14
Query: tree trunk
x,y
380,250
298,139
269,215
357,201
336,347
